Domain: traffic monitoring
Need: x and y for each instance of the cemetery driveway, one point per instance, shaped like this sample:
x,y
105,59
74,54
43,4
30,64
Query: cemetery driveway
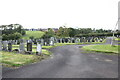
x,y
69,62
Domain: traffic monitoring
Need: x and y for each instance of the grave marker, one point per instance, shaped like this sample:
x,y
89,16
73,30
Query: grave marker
x,y
39,49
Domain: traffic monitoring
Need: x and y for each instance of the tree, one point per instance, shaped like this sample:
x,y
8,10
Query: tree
x,y
72,32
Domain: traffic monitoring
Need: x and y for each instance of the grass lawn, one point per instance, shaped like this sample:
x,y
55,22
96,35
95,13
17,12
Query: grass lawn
x,y
12,59
102,48
36,34
118,39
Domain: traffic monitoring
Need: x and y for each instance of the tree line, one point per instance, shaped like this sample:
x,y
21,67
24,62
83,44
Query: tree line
x,y
80,32
16,31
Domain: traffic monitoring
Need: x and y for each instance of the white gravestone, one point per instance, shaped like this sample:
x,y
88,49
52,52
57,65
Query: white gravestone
x,y
39,49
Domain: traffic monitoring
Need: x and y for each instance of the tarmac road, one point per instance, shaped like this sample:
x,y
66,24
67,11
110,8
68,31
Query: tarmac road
x,y
69,62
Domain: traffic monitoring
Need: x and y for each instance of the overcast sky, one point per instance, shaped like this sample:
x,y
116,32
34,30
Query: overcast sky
x,y
55,13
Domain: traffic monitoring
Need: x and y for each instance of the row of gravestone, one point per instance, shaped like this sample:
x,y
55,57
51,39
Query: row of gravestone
x,y
80,40
7,46
52,40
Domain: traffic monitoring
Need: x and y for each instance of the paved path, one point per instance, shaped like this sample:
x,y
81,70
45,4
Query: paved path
x,y
69,62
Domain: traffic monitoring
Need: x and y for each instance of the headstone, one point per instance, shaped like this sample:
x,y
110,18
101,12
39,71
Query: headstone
x,y
22,47
42,42
5,43
63,40
81,39
58,40
9,46
73,40
16,41
93,40
39,49
66,40
77,40
51,43
29,46
89,39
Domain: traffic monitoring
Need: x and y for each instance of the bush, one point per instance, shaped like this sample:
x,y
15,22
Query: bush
x,y
14,36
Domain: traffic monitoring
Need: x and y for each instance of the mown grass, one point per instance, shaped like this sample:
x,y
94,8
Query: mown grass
x,y
102,48
117,39
12,59
35,34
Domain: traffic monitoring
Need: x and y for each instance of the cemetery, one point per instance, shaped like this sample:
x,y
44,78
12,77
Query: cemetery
x,y
35,50
59,39
34,46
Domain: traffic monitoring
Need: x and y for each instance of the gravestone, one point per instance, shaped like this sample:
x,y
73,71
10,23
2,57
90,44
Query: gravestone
x,y
42,42
58,40
100,40
89,39
29,46
22,48
39,49
66,40
51,43
10,46
81,39
14,42
35,41
73,40
93,40
61,40
77,40
5,43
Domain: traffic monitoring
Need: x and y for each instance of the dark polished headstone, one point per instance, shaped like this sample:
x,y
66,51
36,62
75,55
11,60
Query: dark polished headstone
x,y
66,40
29,46
9,46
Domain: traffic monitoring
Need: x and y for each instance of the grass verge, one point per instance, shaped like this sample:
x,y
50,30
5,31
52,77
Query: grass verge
x,y
117,39
102,48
